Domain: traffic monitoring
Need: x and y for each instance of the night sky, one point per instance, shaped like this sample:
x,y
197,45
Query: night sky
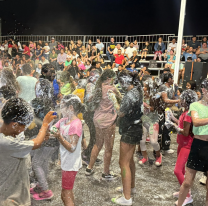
x,y
108,17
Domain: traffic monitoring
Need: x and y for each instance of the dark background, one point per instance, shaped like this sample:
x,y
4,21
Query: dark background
x,y
107,17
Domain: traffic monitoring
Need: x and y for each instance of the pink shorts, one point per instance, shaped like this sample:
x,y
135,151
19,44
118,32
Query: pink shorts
x,y
68,178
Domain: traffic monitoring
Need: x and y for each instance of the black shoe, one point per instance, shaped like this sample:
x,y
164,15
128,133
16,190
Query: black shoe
x,y
98,162
88,171
109,177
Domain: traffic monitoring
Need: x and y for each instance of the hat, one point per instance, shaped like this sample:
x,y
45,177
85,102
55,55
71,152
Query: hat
x,y
52,38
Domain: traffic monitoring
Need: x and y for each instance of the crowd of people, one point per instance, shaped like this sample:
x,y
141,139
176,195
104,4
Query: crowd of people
x,y
49,92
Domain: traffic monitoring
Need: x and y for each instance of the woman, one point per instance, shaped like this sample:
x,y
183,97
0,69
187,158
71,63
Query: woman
x,y
53,58
82,69
69,53
136,44
66,49
83,54
104,120
135,59
191,85
90,43
184,46
126,45
71,45
171,60
32,47
38,55
103,64
73,69
59,47
41,43
159,49
147,49
198,158
130,127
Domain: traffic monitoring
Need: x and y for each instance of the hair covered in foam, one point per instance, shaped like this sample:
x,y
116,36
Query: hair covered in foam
x,y
189,96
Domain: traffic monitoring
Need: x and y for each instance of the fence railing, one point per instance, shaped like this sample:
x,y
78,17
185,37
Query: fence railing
x,y
105,39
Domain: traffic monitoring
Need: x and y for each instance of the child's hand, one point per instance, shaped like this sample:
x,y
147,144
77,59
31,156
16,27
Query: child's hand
x,y
47,136
49,117
57,134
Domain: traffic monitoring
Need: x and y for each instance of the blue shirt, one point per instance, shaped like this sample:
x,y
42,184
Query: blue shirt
x,y
186,55
132,69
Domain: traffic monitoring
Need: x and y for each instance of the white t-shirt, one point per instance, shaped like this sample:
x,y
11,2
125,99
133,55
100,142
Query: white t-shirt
x,y
130,51
14,177
19,45
70,161
75,57
46,48
45,62
115,51
38,70
171,45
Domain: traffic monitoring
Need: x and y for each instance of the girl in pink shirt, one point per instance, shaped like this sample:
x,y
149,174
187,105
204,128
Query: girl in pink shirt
x,y
68,131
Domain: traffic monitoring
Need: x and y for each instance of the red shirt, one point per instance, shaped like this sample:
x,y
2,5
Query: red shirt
x,y
27,49
182,140
118,59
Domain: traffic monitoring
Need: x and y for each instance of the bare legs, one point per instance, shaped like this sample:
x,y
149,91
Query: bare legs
x,y
127,166
67,197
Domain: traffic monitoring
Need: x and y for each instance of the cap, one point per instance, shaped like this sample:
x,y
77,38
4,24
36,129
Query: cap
x,y
52,38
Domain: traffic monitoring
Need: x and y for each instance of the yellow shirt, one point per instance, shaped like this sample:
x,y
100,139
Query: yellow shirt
x,y
80,93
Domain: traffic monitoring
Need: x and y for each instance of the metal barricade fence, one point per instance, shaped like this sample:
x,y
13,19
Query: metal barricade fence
x,y
187,38
105,39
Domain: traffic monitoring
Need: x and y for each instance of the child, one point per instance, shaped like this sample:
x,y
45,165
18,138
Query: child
x,y
184,139
150,124
46,51
17,114
69,134
39,68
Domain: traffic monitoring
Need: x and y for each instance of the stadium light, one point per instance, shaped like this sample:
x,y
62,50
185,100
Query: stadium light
x,y
180,38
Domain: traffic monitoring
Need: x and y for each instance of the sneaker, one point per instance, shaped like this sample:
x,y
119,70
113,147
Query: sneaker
x,y
187,201
158,161
43,195
32,191
120,189
88,171
176,194
170,151
109,177
98,162
141,162
203,180
147,139
122,201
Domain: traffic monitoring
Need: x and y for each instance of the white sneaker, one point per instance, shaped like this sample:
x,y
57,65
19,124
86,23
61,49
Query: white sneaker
x,y
176,194
122,201
187,201
203,180
120,189
170,151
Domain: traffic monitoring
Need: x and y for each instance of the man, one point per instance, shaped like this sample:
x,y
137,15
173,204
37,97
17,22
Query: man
x,y
204,40
26,51
189,53
52,44
130,50
100,46
111,47
132,68
172,45
29,61
195,44
16,62
74,54
67,62
44,60
119,59
203,52
61,60
98,67
115,51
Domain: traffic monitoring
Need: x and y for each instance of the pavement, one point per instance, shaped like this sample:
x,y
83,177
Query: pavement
x,y
155,185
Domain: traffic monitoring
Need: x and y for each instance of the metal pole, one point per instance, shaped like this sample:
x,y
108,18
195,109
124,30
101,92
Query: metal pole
x,y
180,38
0,30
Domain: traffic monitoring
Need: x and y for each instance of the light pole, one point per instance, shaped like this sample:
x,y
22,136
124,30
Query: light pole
x,y
180,38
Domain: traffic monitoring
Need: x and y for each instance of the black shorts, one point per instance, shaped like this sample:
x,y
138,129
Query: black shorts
x,y
133,134
198,157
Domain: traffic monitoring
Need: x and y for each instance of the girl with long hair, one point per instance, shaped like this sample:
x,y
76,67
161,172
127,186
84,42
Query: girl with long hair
x,y
104,120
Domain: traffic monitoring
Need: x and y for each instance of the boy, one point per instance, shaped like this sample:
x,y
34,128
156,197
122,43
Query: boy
x,y
14,151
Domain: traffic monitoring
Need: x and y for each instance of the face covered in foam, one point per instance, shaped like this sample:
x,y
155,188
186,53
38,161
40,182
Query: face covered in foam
x,y
94,78
124,82
188,97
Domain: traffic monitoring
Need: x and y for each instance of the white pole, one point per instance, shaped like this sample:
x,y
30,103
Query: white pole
x,y
180,38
